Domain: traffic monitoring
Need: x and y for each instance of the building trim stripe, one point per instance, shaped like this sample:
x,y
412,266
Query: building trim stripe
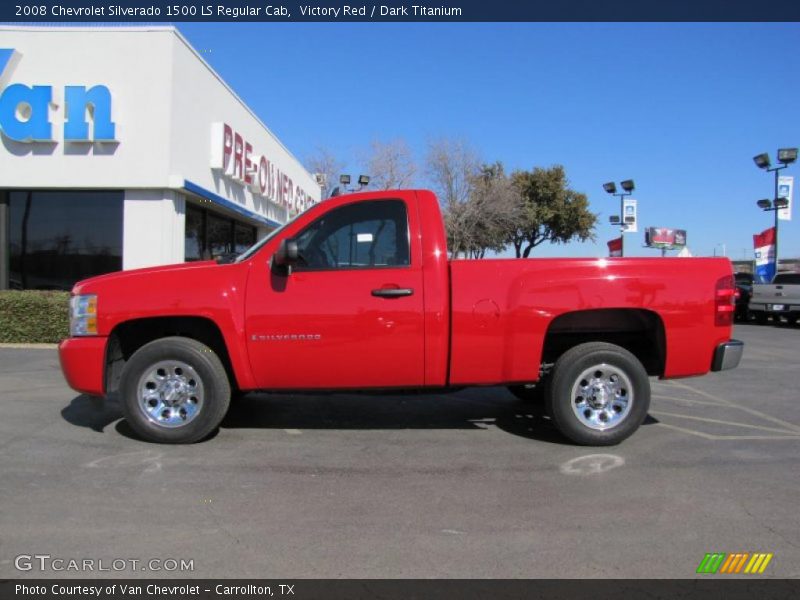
x,y
192,187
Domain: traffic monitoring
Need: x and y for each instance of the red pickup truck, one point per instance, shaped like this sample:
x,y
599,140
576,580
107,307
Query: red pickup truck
x,y
357,293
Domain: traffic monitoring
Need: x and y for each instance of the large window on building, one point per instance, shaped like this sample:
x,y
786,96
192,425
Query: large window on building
x,y
57,238
210,234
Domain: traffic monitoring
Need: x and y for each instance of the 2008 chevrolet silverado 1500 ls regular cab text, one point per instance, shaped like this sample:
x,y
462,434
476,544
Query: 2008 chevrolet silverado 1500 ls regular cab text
x,y
357,293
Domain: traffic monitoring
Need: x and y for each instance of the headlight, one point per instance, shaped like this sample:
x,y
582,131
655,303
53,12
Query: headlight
x,y
83,315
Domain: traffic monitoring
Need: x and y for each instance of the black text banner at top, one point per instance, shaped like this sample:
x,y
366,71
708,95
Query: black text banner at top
x,y
231,11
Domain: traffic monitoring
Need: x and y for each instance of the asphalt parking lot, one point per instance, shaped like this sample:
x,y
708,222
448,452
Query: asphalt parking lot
x,y
469,484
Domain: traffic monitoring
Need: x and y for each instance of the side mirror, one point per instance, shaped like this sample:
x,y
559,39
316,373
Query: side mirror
x,y
286,254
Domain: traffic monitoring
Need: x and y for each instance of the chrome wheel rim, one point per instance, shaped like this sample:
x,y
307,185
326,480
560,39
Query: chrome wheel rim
x,y
170,393
602,396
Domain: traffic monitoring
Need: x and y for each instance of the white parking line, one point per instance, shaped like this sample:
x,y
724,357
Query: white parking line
x,y
733,423
746,409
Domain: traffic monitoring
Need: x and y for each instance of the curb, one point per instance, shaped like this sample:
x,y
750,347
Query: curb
x,y
30,346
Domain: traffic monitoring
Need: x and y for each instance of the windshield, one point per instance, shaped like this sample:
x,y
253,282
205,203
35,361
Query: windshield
x,y
257,246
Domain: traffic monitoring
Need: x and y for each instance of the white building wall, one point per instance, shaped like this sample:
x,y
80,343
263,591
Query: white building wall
x,y
165,99
201,98
134,64
153,228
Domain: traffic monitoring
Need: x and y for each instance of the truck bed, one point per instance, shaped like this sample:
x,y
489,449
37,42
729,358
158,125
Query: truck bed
x,y
502,309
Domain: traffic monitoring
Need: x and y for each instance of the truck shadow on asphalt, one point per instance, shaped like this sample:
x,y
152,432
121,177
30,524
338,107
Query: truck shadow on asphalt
x,y
473,409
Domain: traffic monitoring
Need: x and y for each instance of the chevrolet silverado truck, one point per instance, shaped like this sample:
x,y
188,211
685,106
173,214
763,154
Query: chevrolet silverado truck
x,y
358,294
781,298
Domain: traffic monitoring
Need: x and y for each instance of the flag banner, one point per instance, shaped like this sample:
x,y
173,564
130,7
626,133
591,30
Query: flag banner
x,y
785,188
629,216
764,245
615,247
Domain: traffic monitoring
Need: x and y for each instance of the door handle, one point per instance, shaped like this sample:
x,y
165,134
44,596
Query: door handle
x,y
392,292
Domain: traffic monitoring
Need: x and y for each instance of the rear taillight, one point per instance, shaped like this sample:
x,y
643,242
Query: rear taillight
x,y
725,301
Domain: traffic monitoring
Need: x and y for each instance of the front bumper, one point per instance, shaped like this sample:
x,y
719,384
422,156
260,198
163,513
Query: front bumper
x,y
727,355
83,362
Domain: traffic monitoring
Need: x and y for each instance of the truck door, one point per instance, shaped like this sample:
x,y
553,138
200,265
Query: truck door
x,y
350,313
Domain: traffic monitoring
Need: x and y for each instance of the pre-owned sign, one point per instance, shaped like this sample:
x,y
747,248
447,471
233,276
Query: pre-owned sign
x,y
233,157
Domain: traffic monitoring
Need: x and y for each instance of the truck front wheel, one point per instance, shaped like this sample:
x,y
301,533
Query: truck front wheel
x,y
174,390
599,394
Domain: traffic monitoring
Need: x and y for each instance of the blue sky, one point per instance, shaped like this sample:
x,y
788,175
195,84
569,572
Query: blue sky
x,y
680,108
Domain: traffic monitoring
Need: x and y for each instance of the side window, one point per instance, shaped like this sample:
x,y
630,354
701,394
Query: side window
x,y
363,235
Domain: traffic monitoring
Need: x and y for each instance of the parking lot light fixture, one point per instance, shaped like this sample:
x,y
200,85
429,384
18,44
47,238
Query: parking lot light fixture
x,y
344,179
627,185
363,181
762,160
781,203
787,156
764,204
610,187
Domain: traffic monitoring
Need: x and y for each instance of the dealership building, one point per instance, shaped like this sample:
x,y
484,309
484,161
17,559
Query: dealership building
x,y
122,148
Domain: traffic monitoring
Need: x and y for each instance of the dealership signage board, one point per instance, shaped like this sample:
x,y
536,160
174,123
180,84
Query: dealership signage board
x,y
629,216
665,237
232,156
785,189
25,109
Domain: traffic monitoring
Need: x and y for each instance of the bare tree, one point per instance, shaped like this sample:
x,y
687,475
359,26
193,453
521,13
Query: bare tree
x,y
390,165
484,221
451,164
325,164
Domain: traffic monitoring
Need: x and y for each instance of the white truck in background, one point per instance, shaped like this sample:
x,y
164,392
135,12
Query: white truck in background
x,y
781,298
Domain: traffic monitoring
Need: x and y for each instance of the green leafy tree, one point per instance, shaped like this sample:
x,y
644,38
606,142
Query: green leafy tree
x,y
550,211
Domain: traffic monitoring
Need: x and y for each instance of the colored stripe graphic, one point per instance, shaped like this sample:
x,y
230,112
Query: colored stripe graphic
x,y
711,562
758,563
722,563
734,563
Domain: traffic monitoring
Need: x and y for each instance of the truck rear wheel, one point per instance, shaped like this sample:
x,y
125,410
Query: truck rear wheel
x,y
174,391
598,395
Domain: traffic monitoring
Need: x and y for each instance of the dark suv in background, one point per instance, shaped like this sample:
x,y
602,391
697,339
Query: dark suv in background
x,y
744,290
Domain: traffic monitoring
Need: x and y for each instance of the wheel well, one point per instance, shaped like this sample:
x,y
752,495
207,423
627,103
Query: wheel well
x,y
639,331
128,337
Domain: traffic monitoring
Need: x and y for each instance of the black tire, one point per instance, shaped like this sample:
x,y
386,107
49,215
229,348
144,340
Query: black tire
x,y
145,394
618,370
529,394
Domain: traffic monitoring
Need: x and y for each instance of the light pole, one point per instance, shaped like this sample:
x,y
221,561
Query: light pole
x,y
786,156
627,189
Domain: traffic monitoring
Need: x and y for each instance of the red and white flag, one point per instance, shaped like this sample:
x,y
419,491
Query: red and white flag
x,y
764,246
615,247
